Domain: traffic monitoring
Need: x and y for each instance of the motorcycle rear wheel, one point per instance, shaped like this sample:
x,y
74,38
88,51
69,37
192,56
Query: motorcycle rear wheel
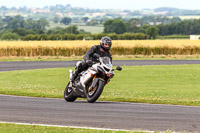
x,y
68,94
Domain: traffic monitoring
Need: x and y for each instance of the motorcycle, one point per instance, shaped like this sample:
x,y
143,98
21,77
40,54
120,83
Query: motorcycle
x,y
90,83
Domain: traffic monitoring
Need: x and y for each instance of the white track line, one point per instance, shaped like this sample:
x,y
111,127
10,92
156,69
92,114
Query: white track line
x,y
92,128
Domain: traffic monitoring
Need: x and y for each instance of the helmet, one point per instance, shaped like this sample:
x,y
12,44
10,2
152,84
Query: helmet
x,y
106,40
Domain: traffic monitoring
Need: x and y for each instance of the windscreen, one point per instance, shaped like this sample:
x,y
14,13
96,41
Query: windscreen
x,y
106,60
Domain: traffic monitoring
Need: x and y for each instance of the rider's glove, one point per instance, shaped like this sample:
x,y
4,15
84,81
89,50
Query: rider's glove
x,y
96,55
89,62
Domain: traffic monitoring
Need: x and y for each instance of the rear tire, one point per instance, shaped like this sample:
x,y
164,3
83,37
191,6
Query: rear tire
x,y
93,96
68,94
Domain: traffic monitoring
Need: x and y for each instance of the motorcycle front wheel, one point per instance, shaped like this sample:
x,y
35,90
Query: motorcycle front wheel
x,y
94,94
68,94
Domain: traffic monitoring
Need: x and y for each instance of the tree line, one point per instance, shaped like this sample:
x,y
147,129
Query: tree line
x,y
14,28
186,27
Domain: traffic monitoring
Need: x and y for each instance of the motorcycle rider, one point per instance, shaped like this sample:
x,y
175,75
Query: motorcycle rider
x,y
102,50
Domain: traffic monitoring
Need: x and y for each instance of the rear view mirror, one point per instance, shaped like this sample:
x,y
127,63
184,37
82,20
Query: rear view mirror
x,y
118,68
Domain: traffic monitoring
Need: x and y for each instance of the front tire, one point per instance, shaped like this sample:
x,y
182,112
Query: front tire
x,y
68,94
94,94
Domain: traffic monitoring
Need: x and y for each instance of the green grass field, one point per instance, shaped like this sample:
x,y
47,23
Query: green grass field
x,y
175,84
16,128
92,29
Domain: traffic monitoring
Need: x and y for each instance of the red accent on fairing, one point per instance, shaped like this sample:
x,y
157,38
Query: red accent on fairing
x,y
110,75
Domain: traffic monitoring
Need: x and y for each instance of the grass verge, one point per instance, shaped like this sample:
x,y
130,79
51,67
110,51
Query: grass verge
x,y
17,128
174,84
115,57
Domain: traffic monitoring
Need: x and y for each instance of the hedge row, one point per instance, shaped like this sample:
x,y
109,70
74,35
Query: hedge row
x,y
174,37
125,36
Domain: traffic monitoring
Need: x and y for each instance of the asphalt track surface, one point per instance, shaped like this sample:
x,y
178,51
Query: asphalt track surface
x,y
10,66
114,115
129,116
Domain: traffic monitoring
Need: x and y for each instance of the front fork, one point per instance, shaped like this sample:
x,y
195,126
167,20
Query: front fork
x,y
94,82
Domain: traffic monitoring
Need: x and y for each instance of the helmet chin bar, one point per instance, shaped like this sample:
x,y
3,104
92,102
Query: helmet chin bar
x,y
105,48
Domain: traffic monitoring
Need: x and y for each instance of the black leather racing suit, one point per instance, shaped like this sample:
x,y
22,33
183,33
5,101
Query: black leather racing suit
x,y
89,56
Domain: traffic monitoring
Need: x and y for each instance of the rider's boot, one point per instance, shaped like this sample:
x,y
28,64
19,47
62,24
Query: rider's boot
x,y
78,70
72,79
74,75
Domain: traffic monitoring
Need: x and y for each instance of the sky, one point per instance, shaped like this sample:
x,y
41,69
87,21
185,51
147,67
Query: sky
x,y
106,4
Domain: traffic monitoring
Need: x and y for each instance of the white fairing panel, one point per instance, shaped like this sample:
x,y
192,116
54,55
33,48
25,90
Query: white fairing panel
x,y
86,76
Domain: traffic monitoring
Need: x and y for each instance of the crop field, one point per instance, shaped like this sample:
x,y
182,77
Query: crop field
x,y
120,47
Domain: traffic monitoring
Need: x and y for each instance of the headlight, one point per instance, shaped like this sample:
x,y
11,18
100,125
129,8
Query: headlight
x,y
106,69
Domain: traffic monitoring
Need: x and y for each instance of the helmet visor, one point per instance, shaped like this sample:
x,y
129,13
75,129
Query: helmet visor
x,y
107,42
107,45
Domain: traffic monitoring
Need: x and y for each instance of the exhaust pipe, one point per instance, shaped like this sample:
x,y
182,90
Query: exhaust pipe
x,y
70,77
